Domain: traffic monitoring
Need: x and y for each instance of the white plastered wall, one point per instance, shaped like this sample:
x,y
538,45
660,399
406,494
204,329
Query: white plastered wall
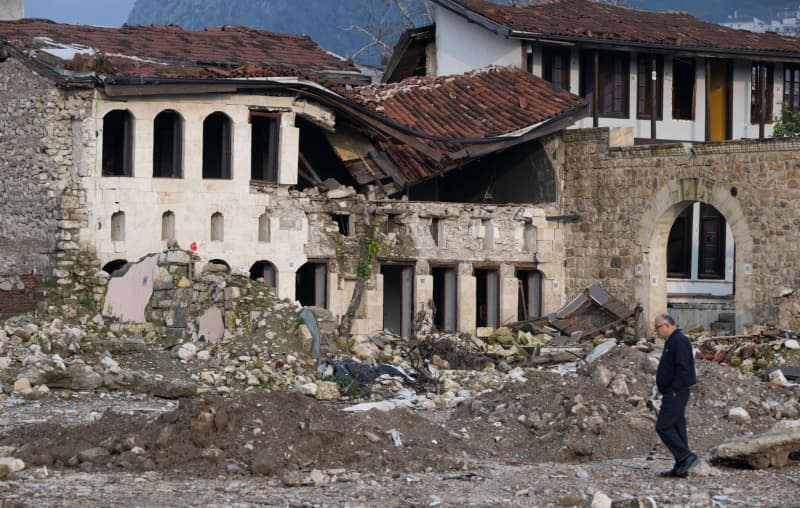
x,y
462,46
193,199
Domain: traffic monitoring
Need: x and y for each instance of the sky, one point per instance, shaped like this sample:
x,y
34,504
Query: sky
x,y
87,12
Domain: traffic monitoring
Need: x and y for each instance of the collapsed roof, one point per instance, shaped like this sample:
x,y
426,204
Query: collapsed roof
x,y
170,52
414,130
468,114
597,22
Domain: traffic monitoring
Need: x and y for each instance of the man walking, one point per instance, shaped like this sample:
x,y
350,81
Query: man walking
x,y
674,377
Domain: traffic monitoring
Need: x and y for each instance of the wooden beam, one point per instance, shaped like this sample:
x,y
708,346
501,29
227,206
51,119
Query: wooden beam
x,y
653,97
708,99
596,91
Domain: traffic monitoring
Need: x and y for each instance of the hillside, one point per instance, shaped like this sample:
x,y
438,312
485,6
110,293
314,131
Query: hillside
x,y
327,21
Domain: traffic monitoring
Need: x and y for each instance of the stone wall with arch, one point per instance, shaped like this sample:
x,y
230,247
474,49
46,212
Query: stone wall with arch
x,y
628,197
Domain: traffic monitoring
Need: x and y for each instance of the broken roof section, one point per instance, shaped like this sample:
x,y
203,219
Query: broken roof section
x,y
468,115
171,52
597,22
408,55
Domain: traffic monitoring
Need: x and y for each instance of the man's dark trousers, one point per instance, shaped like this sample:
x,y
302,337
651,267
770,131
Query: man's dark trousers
x,y
671,423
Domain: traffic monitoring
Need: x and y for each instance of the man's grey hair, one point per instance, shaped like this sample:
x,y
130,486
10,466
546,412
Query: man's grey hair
x,y
666,317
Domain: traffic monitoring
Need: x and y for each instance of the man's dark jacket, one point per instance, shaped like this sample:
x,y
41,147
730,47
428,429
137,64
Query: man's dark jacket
x,y
676,368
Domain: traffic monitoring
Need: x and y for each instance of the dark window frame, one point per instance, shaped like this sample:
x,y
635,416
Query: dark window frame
x,y
644,86
556,63
117,158
791,87
614,69
713,230
264,159
221,168
679,245
755,92
678,83
168,147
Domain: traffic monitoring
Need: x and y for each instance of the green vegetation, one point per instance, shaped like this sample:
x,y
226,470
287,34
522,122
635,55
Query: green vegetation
x,y
347,385
788,124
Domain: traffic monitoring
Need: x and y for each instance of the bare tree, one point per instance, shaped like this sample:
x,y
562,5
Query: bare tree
x,y
381,28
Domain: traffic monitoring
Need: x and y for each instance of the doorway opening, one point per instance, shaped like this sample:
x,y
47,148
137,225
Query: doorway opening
x,y
398,298
444,298
311,287
487,297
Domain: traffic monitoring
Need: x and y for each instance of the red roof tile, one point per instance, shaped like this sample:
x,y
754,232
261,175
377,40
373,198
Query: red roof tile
x,y
592,20
169,51
485,103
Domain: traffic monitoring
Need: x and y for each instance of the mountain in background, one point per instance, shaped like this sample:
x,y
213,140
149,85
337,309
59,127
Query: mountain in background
x,y
329,22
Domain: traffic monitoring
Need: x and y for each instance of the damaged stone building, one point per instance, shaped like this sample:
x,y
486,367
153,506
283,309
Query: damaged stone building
x,y
263,154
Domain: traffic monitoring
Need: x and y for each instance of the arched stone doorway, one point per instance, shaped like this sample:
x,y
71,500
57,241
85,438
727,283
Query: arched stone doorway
x,y
654,229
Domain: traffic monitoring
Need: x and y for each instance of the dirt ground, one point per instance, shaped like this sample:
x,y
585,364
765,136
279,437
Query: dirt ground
x,y
553,439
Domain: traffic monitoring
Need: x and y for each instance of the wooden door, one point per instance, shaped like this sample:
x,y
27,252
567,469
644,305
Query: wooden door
x,y
719,100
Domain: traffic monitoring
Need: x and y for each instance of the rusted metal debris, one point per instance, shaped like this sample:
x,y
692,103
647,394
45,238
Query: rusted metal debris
x,y
592,312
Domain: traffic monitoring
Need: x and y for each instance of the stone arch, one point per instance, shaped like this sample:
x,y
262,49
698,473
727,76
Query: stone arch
x,y
113,266
264,270
654,226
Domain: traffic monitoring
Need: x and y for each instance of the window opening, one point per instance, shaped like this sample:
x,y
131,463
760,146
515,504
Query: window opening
x,y
311,286
679,246
613,82
167,145
217,227
264,270
755,92
444,298
487,297
264,147
168,226
398,294
118,143
683,89
644,83
217,147
118,227
530,294
555,67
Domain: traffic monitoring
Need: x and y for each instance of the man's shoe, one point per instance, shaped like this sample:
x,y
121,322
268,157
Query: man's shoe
x,y
683,469
667,474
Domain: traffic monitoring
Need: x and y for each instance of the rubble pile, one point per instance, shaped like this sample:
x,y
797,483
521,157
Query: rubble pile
x,y
763,352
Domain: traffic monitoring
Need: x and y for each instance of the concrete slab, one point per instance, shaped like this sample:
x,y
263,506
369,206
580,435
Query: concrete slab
x,y
127,296
210,325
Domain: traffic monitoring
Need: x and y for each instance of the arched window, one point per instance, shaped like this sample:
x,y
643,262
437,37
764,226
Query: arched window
x,y
217,227
168,226
264,270
217,141
113,266
264,232
118,227
118,143
168,145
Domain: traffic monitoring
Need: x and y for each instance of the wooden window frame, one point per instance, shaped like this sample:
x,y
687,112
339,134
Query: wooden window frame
x,y
791,94
675,63
551,56
755,92
644,84
607,69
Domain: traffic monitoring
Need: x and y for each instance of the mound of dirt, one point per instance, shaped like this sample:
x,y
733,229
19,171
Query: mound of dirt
x,y
602,413
264,433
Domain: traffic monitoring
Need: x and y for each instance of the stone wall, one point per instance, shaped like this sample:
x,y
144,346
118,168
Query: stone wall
x,y
38,194
628,198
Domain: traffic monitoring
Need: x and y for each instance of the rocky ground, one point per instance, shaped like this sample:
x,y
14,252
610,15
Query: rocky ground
x,y
93,416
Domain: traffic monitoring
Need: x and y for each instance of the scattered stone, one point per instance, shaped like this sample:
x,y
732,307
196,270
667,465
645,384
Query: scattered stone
x,y
327,390
94,455
600,500
22,385
771,449
602,376
739,415
9,465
